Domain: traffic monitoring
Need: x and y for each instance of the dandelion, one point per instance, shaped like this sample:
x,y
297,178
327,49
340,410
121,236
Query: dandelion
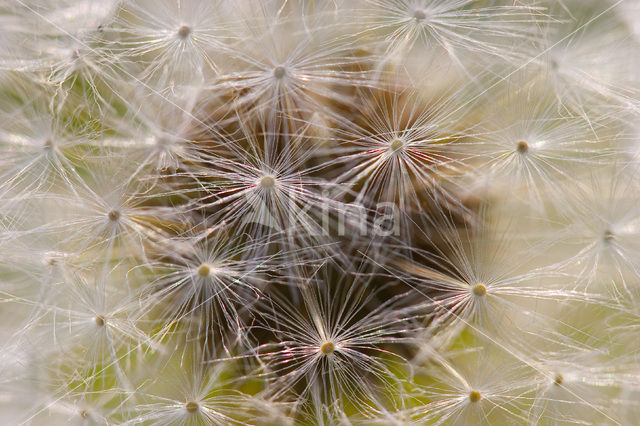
x,y
203,281
481,286
466,392
294,67
462,29
38,149
176,43
532,145
354,212
572,56
193,394
330,353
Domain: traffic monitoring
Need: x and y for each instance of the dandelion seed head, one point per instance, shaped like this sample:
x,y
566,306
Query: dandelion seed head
x,y
192,407
475,396
328,348
479,290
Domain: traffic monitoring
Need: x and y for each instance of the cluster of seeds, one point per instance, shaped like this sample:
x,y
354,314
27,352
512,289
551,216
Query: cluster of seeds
x,y
332,212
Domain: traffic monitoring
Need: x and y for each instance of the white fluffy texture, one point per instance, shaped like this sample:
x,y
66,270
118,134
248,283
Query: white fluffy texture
x,y
282,212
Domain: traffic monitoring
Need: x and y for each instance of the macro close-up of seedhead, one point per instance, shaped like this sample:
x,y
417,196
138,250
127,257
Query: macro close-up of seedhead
x,y
319,212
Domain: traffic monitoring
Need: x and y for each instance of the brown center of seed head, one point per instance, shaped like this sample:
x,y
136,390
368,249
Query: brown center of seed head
x,y
99,320
474,396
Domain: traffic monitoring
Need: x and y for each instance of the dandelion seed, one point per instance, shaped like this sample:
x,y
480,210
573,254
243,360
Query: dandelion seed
x,y
522,147
531,146
396,145
558,379
279,72
99,321
328,348
113,215
204,271
268,182
479,290
458,27
192,407
419,15
475,396
332,354
184,31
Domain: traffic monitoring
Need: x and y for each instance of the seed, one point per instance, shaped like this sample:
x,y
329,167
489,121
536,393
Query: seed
x,y
328,348
184,31
396,145
558,379
419,15
191,407
607,236
523,147
474,396
279,72
99,321
114,215
204,270
479,290
267,182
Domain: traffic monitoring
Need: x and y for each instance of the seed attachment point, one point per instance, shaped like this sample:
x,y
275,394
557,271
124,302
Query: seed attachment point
x,y
191,407
279,72
99,321
204,270
522,147
184,32
479,290
328,348
396,145
419,15
558,379
475,396
268,182
113,215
